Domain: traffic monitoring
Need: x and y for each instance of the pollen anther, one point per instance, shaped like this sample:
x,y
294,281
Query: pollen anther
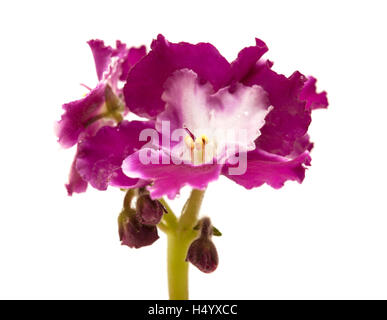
x,y
189,142
204,139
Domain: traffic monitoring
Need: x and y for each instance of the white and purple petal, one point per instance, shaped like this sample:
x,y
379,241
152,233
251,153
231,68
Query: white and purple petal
x,y
145,81
226,118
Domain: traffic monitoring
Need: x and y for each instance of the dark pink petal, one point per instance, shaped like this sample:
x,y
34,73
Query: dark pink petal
x,y
145,82
78,116
168,179
301,145
313,99
102,56
290,119
76,183
133,56
100,157
246,60
274,170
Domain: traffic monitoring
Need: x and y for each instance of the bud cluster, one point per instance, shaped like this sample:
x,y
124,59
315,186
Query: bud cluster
x,y
138,227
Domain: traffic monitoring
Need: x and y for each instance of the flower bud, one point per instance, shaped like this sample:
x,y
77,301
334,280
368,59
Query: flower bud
x,y
149,212
133,233
202,252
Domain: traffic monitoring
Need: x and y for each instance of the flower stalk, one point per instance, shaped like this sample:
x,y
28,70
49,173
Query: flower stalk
x,y
180,235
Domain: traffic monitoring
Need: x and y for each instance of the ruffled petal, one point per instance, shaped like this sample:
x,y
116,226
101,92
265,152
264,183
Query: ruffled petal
x,y
102,56
274,170
100,157
290,119
168,179
107,68
144,85
247,59
79,115
313,99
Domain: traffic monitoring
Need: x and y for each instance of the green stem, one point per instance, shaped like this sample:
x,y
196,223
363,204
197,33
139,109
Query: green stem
x,y
163,227
169,218
179,240
190,213
177,267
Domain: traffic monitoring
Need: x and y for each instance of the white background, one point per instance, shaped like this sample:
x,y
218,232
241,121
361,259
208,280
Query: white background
x,y
323,239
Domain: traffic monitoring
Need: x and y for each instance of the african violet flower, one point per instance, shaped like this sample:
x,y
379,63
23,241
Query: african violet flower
x,y
193,88
102,106
204,117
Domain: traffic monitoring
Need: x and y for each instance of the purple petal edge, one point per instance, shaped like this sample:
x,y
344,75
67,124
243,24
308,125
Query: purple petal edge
x,y
168,179
263,167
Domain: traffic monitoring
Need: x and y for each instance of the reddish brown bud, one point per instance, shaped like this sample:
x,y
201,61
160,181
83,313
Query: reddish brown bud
x,y
149,211
202,254
133,233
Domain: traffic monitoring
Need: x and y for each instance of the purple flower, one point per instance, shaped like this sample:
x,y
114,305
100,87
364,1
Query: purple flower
x,y
196,92
102,106
203,118
103,103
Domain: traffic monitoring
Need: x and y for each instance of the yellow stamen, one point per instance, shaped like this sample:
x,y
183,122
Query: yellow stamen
x,y
200,144
204,142
191,145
